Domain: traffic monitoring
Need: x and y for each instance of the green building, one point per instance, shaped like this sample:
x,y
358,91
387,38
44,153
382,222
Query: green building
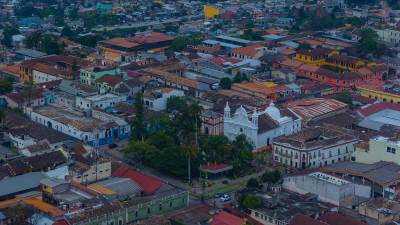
x,y
90,75
126,212
377,149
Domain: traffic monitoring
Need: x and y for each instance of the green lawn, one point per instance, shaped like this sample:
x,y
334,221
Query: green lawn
x,y
225,189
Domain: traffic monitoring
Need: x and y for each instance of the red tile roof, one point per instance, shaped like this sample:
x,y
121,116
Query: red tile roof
x,y
11,69
110,80
149,38
20,98
250,50
222,60
120,42
374,108
149,184
363,145
225,218
301,219
61,222
334,218
215,166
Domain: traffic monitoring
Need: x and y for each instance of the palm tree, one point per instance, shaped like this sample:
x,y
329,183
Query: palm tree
x,y
187,135
2,119
190,150
28,88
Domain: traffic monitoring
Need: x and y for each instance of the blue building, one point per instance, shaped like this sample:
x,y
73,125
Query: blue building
x,y
33,21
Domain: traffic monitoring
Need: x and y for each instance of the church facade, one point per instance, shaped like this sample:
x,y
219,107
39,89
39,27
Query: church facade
x,y
260,127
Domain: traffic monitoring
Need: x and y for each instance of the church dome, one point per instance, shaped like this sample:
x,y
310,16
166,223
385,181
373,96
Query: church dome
x,y
273,112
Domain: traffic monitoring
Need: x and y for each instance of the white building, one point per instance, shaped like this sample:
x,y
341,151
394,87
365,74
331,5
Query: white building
x,y
314,147
90,130
391,36
260,127
329,189
99,101
42,77
156,100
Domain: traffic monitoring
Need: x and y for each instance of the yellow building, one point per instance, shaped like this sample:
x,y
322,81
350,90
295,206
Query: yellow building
x,y
344,62
330,57
316,56
210,12
376,91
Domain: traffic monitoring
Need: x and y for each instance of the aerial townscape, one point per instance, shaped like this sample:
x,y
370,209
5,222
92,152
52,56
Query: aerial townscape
x,y
199,112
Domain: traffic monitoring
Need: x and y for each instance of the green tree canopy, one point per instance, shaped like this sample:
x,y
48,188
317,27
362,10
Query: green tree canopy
x,y
253,183
369,43
139,129
8,32
5,86
216,148
271,177
241,155
250,201
225,83
175,103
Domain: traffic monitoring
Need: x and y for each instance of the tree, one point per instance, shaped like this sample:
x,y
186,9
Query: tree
x,y
5,86
394,4
241,153
180,43
369,43
33,40
271,177
175,103
344,97
225,83
2,119
140,150
252,183
67,32
188,122
216,148
89,40
50,45
239,78
8,32
74,65
161,140
138,123
250,201
28,89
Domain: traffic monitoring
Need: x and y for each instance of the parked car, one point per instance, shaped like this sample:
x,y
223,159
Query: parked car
x,y
225,198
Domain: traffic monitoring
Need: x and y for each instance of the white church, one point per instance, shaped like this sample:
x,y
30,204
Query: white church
x,y
260,127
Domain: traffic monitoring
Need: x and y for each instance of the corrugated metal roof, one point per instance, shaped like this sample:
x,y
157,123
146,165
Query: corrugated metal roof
x,y
20,183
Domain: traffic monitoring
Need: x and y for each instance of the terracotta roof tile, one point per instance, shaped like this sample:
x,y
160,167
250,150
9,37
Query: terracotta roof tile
x,y
225,218
148,38
149,184
110,80
374,108
250,50
334,218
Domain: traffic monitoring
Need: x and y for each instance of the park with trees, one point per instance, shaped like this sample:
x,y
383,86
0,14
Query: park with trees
x,y
174,145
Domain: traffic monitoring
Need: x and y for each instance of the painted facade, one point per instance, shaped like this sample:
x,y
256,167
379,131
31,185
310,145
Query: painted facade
x,y
261,127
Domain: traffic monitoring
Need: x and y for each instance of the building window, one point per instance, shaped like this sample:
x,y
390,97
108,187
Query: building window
x,y
388,149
